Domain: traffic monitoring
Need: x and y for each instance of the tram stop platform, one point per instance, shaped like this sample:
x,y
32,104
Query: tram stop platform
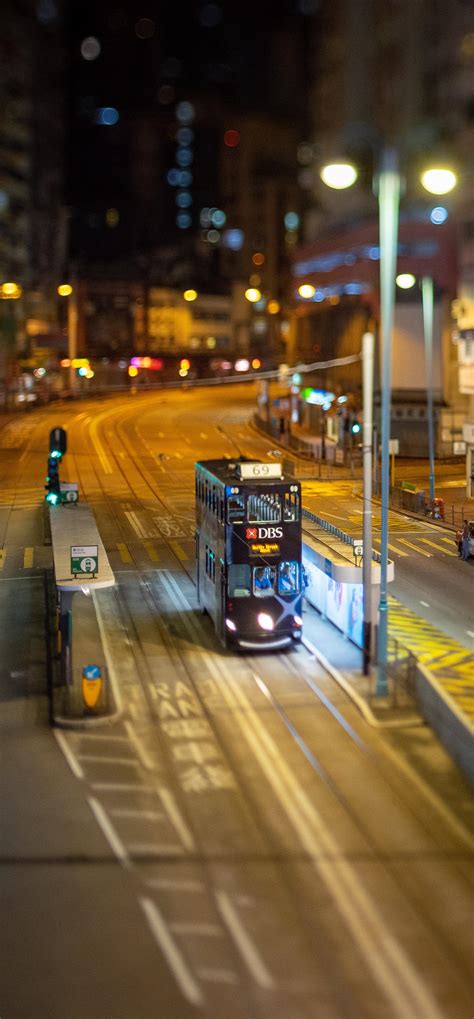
x,y
81,689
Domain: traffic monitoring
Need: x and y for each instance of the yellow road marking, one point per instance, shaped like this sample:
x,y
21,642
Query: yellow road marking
x,y
124,553
3,556
179,551
28,558
153,554
426,541
416,548
398,551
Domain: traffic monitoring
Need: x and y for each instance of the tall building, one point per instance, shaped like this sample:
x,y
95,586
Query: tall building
x,y
391,74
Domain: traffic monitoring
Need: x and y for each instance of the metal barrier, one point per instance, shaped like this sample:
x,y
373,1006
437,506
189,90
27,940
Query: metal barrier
x,y
400,674
335,531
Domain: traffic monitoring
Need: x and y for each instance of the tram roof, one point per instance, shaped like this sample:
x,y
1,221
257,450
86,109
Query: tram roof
x,y
230,471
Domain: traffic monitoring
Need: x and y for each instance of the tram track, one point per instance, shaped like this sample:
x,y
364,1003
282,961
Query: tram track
x,y
196,632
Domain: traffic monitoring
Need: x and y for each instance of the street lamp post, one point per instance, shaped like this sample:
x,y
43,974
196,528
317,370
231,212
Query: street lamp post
x,y
428,307
388,202
438,180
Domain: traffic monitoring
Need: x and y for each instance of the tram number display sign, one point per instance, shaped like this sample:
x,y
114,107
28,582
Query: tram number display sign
x,y
84,559
264,548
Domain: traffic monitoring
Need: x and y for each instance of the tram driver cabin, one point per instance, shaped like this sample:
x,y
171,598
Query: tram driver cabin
x,y
248,552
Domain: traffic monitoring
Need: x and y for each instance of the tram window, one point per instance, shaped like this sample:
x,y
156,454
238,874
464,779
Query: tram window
x,y
291,506
287,577
235,509
264,581
262,508
238,580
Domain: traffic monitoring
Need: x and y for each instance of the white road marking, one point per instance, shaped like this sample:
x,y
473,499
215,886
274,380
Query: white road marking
x,y
176,818
135,524
470,633
154,849
425,603
176,885
200,930
142,754
108,830
107,737
244,943
139,815
176,961
122,787
108,654
70,758
390,965
217,976
98,759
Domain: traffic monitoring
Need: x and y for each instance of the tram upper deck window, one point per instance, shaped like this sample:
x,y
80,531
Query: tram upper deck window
x,y
238,580
291,506
263,508
235,509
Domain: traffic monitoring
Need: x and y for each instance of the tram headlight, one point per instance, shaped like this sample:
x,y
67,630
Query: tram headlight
x,y
297,620
230,625
265,621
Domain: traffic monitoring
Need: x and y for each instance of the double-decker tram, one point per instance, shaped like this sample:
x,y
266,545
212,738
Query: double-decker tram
x,y
248,552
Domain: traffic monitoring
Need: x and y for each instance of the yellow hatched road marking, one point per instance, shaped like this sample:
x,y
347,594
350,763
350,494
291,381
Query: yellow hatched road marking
x,y
28,558
393,548
449,541
415,548
151,550
3,556
123,552
179,551
426,541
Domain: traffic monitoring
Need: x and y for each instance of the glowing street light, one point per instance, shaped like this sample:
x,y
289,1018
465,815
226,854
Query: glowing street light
x,y
11,291
439,180
405,280
65,290
339,175
253,295
306,290
190,295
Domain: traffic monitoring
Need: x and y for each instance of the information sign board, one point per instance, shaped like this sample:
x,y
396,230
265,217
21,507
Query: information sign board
x,y
84,559
69,491
248,471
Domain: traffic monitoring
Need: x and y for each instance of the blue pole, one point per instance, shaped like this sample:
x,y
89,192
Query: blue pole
x,y
427,297
389,201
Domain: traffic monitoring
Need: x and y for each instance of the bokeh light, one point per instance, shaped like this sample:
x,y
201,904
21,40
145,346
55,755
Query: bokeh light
x,y
405,280
165,94
90,48
439,214
233,239
273,307
112,217
258,258
339,175
145,28
185,112
184,199
253,295
210,15
190,295
231,138
65,289
218,217
107,116
439,180
183,220
306,290
292,221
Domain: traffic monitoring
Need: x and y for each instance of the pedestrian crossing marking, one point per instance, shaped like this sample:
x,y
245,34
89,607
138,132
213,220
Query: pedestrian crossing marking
x,y
178,551
3,556
28,555
415,547
123,552
151,550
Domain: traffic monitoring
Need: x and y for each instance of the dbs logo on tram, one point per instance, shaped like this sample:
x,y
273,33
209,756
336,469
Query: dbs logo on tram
x,y
252,533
